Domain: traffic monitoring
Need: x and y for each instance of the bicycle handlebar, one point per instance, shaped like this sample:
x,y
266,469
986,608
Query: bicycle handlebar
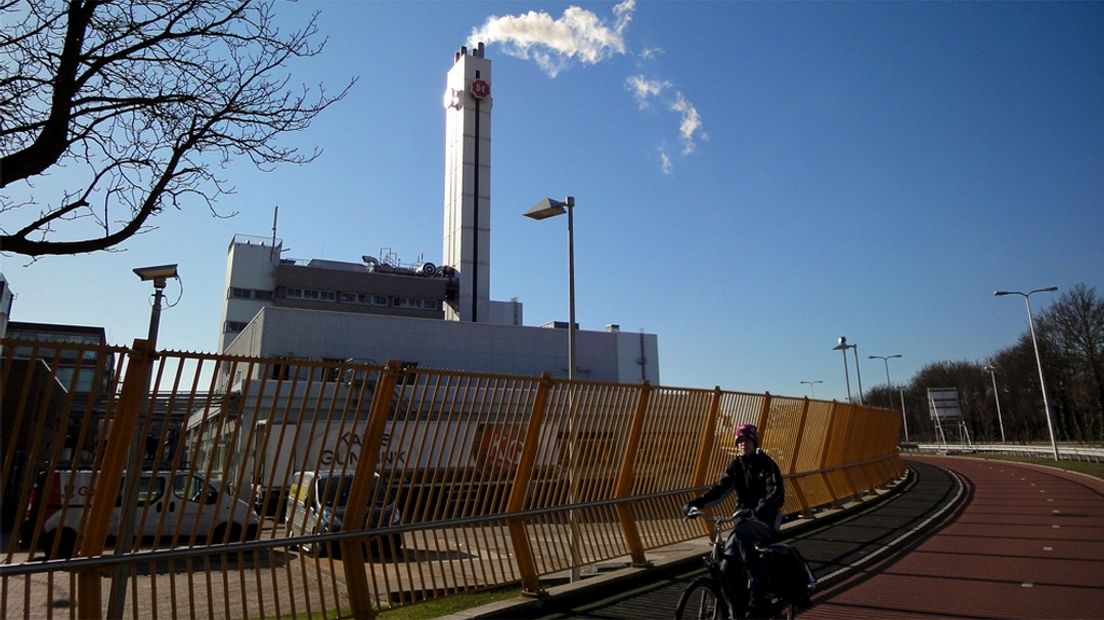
x,y
717,520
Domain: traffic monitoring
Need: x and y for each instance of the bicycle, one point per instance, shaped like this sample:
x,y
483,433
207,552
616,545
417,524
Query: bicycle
x,y
789,580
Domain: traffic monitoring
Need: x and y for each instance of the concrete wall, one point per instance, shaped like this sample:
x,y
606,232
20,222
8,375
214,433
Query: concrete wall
x,y
602,356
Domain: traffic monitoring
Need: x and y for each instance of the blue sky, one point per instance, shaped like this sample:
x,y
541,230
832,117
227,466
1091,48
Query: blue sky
x,y
752,180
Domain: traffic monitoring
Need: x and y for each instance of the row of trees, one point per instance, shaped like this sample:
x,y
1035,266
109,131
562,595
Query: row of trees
x,y
1071,345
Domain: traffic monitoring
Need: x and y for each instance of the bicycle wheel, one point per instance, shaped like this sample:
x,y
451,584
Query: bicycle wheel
x,y
700,601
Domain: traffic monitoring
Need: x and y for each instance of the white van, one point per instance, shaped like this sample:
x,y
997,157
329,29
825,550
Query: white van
x,y
175,507
317,503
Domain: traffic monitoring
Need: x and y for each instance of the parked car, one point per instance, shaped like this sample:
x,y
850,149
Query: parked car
x,y
179,507
317,502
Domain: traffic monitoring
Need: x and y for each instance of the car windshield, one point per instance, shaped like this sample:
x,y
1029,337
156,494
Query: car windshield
x,y
334,490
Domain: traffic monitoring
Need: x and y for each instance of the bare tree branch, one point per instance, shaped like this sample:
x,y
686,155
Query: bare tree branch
x,y
143,99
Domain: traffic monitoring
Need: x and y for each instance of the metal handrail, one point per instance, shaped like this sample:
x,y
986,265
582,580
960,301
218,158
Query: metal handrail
x,y
1064,452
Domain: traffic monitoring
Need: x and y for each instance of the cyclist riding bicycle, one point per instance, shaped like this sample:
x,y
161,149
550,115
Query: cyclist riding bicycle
x,y
757,481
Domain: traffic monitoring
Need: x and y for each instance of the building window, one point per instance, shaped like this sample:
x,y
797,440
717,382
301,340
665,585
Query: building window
x,y
375,300
348,298
263,295
233,326
240,293
413,302
327,296
293,293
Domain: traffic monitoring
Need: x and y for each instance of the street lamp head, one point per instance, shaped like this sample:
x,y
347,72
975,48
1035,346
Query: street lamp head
x,y
842,344
549,207
158,274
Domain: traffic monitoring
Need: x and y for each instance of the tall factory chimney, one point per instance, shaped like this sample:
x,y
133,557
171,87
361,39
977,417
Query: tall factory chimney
x,y
467,222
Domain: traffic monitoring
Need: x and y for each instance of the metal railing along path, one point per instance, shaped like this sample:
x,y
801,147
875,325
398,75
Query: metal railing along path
x,y
407,482
1065,452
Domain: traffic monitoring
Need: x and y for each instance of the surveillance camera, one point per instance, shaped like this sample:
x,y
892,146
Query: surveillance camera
x,y
160,272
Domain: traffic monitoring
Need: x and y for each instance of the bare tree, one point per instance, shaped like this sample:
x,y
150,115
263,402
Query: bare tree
x,y
1074,328
127,107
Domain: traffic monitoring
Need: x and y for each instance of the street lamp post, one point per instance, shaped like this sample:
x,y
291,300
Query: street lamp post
x,y
889,384
858,373
1038,359
843,346
124,542
886,358
546,208
993,373
904,418
812,387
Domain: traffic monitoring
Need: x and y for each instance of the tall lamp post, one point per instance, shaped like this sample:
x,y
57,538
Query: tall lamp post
x,y
886,358
1038,359
858,373
546,208
843,346
993,373
889,384
124,542
812,387
904,418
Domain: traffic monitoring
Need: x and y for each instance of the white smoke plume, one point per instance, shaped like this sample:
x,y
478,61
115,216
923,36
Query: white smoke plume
x,y
665,161
642,88
690,127
578,35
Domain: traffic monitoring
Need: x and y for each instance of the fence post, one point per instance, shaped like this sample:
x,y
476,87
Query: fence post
x,y
706,440
116,451
849,450
764,411
826,451
625,477
523,553
352,554
793,460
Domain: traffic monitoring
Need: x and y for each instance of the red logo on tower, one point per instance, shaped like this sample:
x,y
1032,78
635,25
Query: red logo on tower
x,y
480,89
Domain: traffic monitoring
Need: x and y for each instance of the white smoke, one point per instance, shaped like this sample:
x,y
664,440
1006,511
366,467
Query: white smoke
x,y
690,127
642,88
665,161
578,35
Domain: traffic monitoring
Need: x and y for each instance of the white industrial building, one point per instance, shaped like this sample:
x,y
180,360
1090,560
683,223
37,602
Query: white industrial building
x,y
436,316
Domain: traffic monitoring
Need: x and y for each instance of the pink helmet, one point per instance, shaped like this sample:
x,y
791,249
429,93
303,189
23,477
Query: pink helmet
x,y
749,431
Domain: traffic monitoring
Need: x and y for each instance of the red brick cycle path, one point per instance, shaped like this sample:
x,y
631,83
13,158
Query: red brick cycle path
x,y
1027,542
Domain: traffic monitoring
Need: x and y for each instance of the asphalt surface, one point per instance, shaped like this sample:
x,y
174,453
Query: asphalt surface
x,y
834,549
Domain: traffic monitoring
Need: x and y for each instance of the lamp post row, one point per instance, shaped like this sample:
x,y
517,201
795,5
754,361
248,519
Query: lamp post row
x,y
843,345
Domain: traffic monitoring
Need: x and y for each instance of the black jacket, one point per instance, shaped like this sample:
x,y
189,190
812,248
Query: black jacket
x,y
757,482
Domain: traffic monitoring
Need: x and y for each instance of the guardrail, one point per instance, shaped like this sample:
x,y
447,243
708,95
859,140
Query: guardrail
x,y
1065,452
276,487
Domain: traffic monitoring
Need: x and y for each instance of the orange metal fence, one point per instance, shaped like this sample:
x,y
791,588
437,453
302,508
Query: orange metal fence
x,y
276,487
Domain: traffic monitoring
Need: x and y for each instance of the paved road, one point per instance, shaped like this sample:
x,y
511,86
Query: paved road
x,y
1028,542
966,539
